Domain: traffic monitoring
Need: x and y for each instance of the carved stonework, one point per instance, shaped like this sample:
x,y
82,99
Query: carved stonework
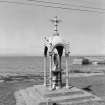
x,y
56,47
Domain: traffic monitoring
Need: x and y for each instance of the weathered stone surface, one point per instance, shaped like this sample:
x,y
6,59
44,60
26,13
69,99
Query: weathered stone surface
x,y
40,95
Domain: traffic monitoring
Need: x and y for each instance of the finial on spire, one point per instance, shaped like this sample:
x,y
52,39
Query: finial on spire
x,y
56,21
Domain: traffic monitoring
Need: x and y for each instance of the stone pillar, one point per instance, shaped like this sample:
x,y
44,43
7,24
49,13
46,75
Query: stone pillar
x,y
67,72
45,71
50,67
60,67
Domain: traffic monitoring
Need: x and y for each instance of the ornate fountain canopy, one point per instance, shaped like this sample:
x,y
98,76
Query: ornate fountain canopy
x,y
56,40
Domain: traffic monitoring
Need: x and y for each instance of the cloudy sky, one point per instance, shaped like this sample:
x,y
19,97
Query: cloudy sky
x,y
22,27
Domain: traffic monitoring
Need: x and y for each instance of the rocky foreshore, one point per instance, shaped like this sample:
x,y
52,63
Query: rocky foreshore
x,y
10,77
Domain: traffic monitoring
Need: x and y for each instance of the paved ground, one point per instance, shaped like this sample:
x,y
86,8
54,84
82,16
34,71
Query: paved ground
x,y
40,95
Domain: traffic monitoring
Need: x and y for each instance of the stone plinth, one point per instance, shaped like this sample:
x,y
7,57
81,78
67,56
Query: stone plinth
x,y
40,95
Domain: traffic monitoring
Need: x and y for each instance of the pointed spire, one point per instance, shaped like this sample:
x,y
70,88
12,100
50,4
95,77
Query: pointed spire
x,y
56,21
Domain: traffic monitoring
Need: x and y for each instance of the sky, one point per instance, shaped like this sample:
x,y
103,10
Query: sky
x,y
23,27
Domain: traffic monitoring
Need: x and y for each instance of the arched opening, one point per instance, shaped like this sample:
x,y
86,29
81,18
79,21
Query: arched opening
x,y
59,49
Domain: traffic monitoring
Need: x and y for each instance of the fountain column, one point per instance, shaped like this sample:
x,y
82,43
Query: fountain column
x,y
45,65
67,72
45,71
50,65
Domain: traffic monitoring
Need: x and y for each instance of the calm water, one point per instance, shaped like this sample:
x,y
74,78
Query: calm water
x,y
30,64
21,64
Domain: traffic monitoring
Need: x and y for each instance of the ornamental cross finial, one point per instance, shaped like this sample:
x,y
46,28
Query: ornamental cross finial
x,y
56,21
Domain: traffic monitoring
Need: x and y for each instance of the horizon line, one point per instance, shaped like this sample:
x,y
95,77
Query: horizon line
x,y
7,55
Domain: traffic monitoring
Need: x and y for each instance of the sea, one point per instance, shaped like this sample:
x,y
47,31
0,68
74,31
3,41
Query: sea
x,y
21,64
32,66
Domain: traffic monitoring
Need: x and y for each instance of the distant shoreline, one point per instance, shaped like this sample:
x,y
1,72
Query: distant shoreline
x,y
42,55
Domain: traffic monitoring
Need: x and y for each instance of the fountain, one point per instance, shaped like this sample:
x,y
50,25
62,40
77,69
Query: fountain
x,y
55,46
54,91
